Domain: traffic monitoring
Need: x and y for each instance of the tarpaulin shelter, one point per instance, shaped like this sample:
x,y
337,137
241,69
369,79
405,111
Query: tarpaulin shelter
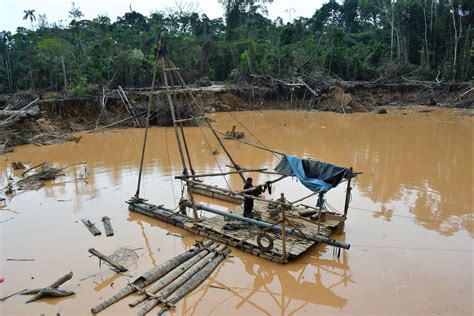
x,y
318,176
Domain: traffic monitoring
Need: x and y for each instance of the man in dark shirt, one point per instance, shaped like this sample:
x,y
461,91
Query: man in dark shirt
x,y
248,202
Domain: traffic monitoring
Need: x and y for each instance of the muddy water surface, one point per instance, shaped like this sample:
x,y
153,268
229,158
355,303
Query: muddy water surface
x,y
410,224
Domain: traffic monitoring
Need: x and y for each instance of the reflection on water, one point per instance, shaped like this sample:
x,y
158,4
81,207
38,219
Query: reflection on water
x,y
415,193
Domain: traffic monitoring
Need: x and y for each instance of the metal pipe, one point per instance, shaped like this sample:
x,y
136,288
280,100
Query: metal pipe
x,y
273,227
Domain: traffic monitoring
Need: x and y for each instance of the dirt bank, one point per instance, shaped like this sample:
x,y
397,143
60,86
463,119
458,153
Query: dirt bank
x,y
54,117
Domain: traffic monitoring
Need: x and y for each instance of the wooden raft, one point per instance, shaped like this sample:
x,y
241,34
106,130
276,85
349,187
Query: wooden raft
x,y
245,238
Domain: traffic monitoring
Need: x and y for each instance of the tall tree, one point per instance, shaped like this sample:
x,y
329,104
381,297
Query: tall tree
x,y
29,14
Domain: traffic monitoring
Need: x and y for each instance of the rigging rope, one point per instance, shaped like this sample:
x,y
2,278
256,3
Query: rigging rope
x,y
169,164
207,142
243,126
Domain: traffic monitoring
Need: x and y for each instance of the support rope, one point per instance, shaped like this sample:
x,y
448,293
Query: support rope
x,y
250,132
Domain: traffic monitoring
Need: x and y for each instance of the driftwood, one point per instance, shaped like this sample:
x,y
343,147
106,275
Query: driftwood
x,y
166,291
101,256
13,116
171,276
51,290
128,106
192,283
91,227
149,277
3,299
107,226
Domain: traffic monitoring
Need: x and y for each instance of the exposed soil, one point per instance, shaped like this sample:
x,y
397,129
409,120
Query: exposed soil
x,y
58,117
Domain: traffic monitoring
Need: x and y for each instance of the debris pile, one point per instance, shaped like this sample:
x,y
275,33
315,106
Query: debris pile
x,y
37,179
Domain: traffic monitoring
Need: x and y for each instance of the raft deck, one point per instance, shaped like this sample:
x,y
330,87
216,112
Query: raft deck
x,y
244,237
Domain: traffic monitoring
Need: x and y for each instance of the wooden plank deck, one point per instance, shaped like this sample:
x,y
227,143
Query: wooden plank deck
x,y
245,238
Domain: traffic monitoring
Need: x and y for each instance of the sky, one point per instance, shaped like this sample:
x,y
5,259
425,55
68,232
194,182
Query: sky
x,y
11,11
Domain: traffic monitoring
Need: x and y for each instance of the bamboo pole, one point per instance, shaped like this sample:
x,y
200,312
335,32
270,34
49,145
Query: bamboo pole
x,y
171,276
218,174
166,291
235,193
149,277
101,256
178,139
283,226
183,83
147,120
191,284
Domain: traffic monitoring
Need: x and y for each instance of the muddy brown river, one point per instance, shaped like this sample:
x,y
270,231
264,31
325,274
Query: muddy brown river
x,y
410,221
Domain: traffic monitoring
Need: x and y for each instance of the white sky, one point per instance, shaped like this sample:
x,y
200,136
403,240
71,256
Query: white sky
x,y
11,11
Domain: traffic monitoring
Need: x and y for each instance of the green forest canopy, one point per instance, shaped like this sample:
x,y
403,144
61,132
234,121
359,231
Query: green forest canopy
x,y
353,39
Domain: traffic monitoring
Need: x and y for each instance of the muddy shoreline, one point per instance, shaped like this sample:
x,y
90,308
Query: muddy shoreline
x,y
57,117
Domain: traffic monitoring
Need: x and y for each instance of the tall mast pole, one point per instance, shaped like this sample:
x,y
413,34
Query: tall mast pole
x,y
147,123
163,54
236,166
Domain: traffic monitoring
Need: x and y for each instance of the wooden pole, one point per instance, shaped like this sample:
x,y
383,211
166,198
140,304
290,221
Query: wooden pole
x,y
283,226
319,219
183,83
147,120
101,256
348,195
128,106
178,139
218,174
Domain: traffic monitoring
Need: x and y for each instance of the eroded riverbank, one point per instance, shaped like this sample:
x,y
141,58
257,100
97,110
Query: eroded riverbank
x,y
410,226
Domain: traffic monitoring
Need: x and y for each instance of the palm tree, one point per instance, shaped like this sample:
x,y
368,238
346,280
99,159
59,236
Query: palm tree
x,y
31,15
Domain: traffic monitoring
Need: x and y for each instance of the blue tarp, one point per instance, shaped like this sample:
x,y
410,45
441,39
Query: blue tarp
x,y
316,175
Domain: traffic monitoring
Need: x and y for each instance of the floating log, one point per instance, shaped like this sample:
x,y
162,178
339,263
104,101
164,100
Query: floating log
x,y
51,290
166,291
150,277
94,230
197,279
171,276
101,256
107,226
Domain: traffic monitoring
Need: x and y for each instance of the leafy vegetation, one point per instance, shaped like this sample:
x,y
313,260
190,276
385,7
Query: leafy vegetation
x,y
353,39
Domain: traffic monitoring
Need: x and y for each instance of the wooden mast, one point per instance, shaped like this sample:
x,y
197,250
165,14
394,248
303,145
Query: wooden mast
x,y
163,55
208,124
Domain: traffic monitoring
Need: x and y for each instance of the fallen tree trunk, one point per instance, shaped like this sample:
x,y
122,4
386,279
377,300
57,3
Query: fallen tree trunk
x,y
171,276
101,256
51,290
149,277
165,292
